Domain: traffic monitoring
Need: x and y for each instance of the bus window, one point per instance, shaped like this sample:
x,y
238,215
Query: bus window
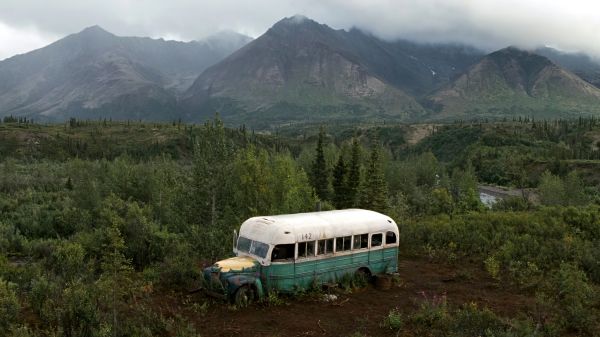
x,y
325,247
361,241
390,237
347,242
306,249
310,248
283,252
259,249
376,240
343,243
244,244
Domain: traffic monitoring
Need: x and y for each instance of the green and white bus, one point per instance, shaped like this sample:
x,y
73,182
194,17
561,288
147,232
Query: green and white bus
x,y
291,252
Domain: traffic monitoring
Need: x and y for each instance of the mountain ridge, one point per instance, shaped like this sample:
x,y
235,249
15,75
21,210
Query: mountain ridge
x,y
298,70
510,81
95,72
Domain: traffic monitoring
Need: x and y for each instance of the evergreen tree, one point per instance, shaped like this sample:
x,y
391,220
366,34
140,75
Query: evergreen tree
x,y
340,184
375,190
354,177
320,175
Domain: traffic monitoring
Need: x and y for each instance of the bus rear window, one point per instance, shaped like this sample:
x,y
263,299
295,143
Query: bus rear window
x,y
306,249
390,237
361,241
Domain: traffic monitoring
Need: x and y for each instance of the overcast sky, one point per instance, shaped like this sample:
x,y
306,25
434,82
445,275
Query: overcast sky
x,y
572,25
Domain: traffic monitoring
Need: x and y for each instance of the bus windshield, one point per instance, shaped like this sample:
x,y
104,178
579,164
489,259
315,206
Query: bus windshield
x,y
253,247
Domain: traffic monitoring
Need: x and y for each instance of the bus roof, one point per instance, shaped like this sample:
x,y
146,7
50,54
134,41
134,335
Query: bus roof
x,y
292,228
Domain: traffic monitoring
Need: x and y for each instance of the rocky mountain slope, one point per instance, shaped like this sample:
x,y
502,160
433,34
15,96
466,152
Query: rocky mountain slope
x,y
515,82
300,69
95,74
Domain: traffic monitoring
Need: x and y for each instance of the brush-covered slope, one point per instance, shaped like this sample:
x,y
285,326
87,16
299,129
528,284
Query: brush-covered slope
x,y
95,74
515,82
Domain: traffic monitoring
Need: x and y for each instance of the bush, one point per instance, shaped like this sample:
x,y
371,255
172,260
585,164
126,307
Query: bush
x,y
575,299
9,306
393,320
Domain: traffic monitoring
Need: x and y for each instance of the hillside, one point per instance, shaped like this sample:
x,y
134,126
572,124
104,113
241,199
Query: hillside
x,y
580,64
513,82
301,70
95,74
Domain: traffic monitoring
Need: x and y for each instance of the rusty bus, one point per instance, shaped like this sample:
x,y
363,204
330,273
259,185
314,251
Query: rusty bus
x,y
288,253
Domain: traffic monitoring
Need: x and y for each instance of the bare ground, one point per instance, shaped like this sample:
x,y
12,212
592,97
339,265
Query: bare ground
x,y
360,311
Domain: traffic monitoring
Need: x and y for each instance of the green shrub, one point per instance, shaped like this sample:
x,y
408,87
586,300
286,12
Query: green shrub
x,y
469,320
9,306
492,266
432,312
393,320
574,298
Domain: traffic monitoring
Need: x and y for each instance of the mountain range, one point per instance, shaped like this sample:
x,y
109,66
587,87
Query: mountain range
x,y
297,71
95,74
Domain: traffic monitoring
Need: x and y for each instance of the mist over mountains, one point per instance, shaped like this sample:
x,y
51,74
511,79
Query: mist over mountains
x,y
299,70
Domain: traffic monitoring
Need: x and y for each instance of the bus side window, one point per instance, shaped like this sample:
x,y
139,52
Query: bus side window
x,y
321,247
283,252
310,248
329,246
347,242
364,241
325,247
390,237
343,243
306,249
376,240
361,241
301,249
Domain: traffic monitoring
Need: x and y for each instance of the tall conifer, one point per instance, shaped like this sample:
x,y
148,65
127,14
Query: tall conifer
x,y
340,184
320,175
354,178
375,189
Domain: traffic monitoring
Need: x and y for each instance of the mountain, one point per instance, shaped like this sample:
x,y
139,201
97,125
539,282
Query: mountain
x,y
94,74
301,70
515,82
580,64
297,71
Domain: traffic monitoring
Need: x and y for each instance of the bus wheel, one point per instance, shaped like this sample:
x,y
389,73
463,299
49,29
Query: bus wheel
x,y
244,296
363,276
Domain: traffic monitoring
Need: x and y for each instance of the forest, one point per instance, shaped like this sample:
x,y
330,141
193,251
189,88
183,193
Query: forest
x,y
98,219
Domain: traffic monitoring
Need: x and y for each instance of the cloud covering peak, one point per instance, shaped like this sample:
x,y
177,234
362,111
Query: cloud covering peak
x,y
568,25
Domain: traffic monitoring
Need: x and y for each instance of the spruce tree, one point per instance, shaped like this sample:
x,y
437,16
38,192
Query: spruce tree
x,y
354,178
340,184
320,175
375,189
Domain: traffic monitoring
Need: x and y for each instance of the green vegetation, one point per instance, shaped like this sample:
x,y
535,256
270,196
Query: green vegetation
x,y
100,220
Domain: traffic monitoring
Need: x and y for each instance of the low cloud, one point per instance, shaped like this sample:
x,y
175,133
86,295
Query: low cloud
x,y
569,25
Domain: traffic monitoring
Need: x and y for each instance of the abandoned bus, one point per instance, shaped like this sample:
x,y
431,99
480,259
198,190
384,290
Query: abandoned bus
x,y
287,253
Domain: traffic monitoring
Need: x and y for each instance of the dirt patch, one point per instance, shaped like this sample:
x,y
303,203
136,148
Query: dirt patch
x,y
361,311
417,132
